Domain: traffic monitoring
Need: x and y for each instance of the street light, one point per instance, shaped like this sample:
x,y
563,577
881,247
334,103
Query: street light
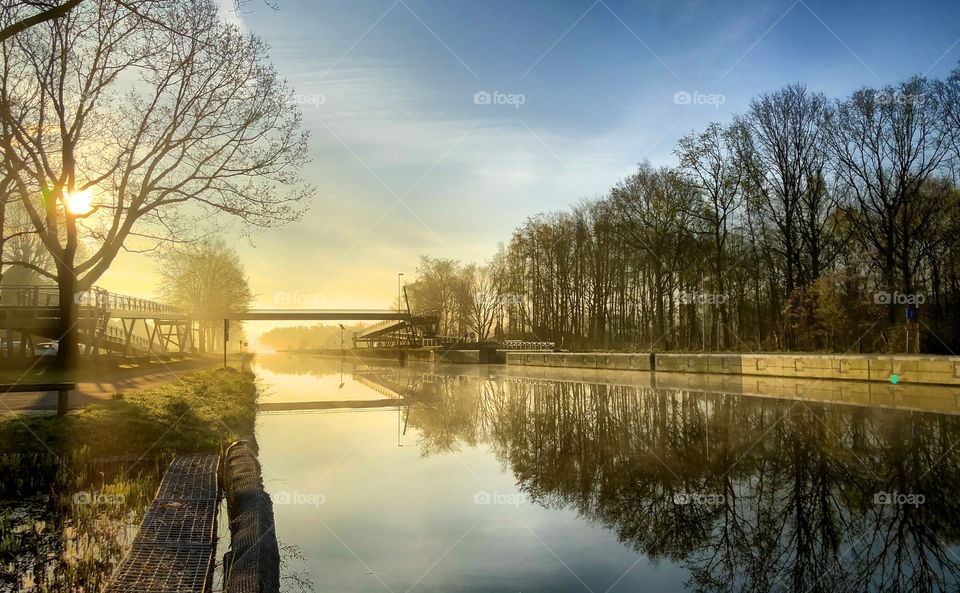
x,y
399,293
399,302
342,351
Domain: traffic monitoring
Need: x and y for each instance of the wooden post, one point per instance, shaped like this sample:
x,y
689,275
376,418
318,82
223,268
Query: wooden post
x,y
63,401
226,338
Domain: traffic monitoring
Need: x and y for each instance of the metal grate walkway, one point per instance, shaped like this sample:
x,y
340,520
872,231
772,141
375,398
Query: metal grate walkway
x,y
174,549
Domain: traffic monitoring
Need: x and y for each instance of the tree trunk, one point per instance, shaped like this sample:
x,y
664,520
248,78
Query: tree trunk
x,y
67,329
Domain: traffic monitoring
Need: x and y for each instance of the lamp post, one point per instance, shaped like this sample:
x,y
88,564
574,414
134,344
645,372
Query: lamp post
x,y
399,299
342,351
399,293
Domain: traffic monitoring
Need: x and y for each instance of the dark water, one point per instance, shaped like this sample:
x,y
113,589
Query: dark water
x,y
491,482
66,523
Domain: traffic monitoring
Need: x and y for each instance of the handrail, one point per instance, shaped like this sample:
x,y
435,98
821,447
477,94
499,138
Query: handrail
x,y
43,295
38,295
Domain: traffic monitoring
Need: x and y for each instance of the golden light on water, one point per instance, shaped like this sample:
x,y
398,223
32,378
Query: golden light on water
x,y
80,202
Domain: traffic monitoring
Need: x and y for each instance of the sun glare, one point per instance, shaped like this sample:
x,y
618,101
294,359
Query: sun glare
x,y
80,202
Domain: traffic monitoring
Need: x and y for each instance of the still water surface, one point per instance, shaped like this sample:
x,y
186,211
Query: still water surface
x,y
490,482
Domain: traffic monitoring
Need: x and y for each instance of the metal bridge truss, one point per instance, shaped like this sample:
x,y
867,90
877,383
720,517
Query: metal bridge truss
x,y
129,325
106,322
411,331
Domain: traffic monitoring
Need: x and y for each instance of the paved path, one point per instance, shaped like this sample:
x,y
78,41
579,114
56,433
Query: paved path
x,y
119,380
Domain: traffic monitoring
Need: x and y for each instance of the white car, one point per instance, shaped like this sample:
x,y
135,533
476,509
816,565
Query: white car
x,y
46,349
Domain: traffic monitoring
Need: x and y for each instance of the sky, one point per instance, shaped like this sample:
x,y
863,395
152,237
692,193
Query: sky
x,y
438,126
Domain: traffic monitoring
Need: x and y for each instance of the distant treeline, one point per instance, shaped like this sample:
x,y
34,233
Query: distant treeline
x,y
313,337
805,223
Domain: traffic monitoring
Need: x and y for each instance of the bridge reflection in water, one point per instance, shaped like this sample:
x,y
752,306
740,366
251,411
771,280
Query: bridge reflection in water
x,y
745,493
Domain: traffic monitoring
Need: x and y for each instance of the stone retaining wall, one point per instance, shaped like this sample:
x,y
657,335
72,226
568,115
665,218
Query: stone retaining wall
x,y
927,370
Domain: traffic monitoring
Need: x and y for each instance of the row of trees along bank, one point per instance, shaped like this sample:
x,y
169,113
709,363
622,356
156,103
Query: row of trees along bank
x,y
805,224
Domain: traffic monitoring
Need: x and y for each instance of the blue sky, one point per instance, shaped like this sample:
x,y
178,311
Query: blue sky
x,y
406,163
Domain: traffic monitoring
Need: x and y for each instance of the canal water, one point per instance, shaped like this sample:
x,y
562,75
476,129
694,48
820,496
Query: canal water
x,y
488,481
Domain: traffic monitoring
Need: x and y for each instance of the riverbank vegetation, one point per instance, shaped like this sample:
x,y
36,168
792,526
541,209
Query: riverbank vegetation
x,y
201,411
75,487
805,223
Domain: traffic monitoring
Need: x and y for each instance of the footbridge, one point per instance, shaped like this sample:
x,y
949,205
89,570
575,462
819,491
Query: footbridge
x,y
113,322
404,330
106,322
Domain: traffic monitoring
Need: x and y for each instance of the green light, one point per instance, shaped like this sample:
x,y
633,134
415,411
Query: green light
x,y
894,378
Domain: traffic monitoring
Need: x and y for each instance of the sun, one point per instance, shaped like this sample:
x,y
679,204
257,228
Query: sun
x,y
80,202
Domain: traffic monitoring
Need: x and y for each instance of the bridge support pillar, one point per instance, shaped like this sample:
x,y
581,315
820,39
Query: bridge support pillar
x,y
9,318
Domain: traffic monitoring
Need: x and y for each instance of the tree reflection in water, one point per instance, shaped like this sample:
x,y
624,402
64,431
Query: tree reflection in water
x,y
749,494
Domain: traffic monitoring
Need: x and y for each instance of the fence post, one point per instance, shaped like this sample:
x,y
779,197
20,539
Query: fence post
x,y
63,397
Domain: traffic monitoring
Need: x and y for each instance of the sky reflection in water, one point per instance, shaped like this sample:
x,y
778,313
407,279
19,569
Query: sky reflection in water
x,y
494,483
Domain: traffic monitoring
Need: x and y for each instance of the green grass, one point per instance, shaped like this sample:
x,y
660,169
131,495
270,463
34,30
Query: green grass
x,y
118,449
202,411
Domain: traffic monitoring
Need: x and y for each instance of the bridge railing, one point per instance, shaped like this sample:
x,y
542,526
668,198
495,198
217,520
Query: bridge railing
x,y
98,297
29,295
35,295
379,326
441,340
119,335
524,345
401,324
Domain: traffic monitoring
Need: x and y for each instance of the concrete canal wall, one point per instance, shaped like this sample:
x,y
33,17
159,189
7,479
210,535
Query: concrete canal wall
x,y
941,399
474,356
926,370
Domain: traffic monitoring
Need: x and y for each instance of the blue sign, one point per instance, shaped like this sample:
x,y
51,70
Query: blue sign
x,y
911,313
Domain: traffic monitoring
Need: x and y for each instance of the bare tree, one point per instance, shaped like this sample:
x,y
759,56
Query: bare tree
x,y
440,288
886,144
949,95
162,128
484,300
205,277
783,146
708,161
652,209
30,13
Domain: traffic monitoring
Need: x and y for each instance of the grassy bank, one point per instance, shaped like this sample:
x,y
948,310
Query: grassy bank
x,y
198,412
74,488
